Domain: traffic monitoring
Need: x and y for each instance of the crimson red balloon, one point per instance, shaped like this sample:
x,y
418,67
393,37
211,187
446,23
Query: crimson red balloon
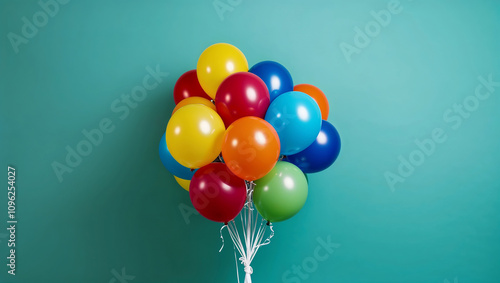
x,y
216,193
241,94
188,86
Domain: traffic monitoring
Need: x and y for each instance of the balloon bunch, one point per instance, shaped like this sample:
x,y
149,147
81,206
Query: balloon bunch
x,y
241,137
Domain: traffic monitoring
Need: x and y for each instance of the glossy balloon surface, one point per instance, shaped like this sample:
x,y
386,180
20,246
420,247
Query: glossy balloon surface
x,y
276,77
188,86
318,96
170,163
216,193
194,100
321,154
297,119
241,94
183,183
251,148
216,63
194,135
281,193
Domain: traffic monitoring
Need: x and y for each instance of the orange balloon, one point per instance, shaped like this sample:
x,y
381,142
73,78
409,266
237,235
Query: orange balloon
x,y
318,96
194,100
251,148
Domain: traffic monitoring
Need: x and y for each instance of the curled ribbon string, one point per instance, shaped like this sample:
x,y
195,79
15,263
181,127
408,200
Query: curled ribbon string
x,y
222,237
252,235
268,240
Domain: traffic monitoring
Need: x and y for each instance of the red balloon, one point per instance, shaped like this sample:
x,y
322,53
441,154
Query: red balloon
x,y
188,86
241,94
216,193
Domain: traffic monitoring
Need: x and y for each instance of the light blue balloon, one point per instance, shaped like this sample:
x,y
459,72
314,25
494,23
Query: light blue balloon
x,y
171,164
296,117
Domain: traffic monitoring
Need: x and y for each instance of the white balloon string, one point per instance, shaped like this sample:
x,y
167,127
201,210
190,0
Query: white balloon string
x,y
222,237
252,234
243,222
236,262
268,240
236,239
248,235
258,240
250,186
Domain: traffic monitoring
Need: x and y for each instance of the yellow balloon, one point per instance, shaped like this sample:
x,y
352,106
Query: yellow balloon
x,y
194,100
216,63
183,183
194,135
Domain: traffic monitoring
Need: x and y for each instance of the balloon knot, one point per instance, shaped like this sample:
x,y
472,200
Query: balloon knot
x,y
268,222
248,269
191,169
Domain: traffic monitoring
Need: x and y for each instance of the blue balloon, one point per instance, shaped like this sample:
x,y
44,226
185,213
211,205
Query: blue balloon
x,y
321,153
171,164
296,117
277,78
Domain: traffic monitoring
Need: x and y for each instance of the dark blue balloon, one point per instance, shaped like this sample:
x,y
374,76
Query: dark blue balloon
x,y
321,153
171,164
277,78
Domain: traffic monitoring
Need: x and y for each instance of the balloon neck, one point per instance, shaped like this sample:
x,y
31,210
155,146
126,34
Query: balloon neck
x,y
268,223
191,169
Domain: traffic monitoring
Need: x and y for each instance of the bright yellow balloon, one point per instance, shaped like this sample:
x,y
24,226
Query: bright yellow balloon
x,y
194,100
216,63
183,183
194,135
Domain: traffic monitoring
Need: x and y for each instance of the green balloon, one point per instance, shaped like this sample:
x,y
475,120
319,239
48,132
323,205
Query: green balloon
x,y
281,193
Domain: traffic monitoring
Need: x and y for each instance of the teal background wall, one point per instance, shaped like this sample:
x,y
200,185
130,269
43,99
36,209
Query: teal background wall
x,y
119,216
